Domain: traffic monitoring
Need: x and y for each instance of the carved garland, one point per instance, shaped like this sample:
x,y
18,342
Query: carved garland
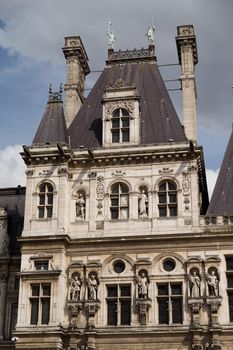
x,y
186,188
100,193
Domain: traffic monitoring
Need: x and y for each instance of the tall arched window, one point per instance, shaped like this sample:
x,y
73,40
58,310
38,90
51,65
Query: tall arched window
x,y
120,125
119,201
167,199
45,207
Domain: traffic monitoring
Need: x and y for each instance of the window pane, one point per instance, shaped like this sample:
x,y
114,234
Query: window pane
x,y
41,199
35,290
230,300
14,312
114,214
125,312
42,188
115,188
46,290
124,200
114,201
162,289
173,211
45,311
125,122
124,112
116,113
115,136
229,281
112,291
50,198
124,213
176,310
41,212
112,313
162,198
172,197
162,211
162,187
125,135
49,188
163,310
49,212
125,291
229,261
176,289
115,123
34,311
171,185
123,188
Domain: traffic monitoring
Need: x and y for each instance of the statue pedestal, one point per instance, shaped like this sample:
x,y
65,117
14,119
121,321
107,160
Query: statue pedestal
x,y
143,306
214,303
75,307
92,306
195,305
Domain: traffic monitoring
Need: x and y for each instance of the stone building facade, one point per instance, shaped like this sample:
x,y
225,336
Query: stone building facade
x,y
118,249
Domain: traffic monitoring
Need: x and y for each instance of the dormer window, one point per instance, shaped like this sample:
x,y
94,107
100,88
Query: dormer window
x,y
120,125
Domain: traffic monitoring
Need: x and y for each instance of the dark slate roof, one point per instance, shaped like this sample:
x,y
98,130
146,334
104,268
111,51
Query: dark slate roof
x,y
222,199
13,200
52,128
159,121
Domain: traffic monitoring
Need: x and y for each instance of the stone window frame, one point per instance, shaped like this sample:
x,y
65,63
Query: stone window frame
x,y
46,205
118,301
168,205
40,298
119,195
120,116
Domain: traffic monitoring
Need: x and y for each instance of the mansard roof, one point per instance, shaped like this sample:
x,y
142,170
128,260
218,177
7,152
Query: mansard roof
x,y
52,128
159,121
222,199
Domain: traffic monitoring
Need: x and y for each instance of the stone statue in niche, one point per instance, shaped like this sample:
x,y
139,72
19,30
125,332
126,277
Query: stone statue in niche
x,y
194,285
80,206
92,285
143,283
142,203
75,288
213,284
150,35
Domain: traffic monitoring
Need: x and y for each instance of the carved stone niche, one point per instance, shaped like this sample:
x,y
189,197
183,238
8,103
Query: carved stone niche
x,y
75,291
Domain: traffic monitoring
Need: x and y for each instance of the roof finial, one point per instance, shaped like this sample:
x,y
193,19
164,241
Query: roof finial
x,y
150,34
111,37
50,91
55,96
60,91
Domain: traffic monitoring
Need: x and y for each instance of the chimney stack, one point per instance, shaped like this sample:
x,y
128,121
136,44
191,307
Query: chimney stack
x,y
77,69
188,58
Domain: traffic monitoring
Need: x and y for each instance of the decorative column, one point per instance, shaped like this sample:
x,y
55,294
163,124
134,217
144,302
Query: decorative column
x,y
187,53
77,69
3,289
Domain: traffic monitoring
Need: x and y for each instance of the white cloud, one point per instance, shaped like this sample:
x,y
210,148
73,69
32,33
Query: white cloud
x,y
12,167
211,179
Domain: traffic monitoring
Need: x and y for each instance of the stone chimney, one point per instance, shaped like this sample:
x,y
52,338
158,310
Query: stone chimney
x,y
188,58
77,69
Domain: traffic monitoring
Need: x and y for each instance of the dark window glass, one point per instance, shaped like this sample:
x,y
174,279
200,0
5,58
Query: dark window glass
x,y
162,198
125,122
124,112
46,289
45,311
230,301
49,187
115,136
172,198
41,265
112,291
176,289
14,313
114,214
17,282
115,123
169,265
173,211
34,311
162,211
119,201
45,207
229,262
42,199
120,125
125,291
112,313
35,290
50,199
119,266
163,289
177,310
167,196
114,201
41,212
49,212
125,312
125,136
163,311
230,280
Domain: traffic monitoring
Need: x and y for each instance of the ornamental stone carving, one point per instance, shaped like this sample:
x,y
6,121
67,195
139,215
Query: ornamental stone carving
x,y
186,188
111,106
166,171
100,192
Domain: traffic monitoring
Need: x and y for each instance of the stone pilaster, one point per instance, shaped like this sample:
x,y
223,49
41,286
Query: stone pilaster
x,y
3,289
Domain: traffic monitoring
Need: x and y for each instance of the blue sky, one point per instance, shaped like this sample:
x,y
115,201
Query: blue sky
x,y
32,35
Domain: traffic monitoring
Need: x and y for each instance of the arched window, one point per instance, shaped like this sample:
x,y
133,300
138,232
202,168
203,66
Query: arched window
x,y
120,125
167,199
119,201
45,207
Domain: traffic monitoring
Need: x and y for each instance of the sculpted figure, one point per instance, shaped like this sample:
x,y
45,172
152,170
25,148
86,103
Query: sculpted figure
x,y
194,285
80,206
92,284
213,282
75,288
150,35
142,203
143,283
111,37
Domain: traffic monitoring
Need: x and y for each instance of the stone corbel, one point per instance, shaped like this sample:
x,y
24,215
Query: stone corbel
x,y
216,345
92,306
74,307
214,303
195,305
197,346
143,306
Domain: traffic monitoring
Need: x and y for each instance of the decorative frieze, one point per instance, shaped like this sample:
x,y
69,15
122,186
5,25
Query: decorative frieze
x,y
111,106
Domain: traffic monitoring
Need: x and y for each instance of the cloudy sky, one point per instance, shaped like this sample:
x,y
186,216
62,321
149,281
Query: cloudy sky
x,y
31,37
